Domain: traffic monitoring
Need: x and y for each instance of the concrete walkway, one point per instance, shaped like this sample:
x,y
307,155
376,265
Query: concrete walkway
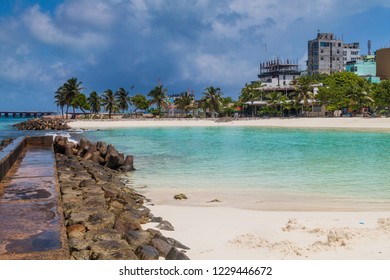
x,y
31,222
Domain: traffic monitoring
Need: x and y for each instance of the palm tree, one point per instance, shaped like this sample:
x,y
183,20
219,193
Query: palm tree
x,y
304,90
251,93
94,101
71,90
109,102
274,99
123,99
212,99
159,97
185,102
60,100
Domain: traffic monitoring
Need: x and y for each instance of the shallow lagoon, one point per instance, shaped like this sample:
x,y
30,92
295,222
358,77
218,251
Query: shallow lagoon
x,y
331,163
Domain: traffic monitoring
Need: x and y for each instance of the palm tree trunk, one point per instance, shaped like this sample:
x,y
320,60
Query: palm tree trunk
x,y
67,109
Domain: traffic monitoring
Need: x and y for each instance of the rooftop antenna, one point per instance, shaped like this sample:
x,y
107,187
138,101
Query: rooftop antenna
x,y
369,47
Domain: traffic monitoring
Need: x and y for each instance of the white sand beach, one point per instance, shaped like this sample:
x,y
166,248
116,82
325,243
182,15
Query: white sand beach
x,y
231,233
284,229
338,123
224,230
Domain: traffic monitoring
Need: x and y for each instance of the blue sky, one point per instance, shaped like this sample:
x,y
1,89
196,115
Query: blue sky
x,y
188,44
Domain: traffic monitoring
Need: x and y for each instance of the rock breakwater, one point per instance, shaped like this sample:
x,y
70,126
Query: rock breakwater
x,y
43,124
99,153
104,217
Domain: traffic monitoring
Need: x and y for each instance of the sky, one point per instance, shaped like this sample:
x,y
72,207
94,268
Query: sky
x,y
182,44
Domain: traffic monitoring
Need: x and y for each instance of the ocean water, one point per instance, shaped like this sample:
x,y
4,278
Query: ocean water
x,y
330,163
7,130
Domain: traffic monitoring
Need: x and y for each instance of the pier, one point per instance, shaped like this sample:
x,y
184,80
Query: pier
x,y
31,217
25,114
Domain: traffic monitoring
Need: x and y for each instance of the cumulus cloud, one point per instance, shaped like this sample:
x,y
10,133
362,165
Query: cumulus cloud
x,y
43,28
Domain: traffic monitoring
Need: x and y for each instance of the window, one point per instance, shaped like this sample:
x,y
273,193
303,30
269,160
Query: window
x,y
324,44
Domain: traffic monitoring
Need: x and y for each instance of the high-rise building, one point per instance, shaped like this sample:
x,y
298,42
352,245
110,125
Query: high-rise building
x,y
325,54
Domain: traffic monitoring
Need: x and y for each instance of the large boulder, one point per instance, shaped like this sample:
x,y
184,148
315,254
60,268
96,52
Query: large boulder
x,y
137,238
128,164
146,252
162,246
175,254
114,160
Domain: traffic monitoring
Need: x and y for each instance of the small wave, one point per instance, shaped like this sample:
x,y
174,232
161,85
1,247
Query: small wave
x,y
62,134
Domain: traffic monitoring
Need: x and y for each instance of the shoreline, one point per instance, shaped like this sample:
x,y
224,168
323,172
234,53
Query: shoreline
x,y
356,123
259,200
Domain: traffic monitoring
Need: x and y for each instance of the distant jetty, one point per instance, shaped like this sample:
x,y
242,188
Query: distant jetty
x,y
25,114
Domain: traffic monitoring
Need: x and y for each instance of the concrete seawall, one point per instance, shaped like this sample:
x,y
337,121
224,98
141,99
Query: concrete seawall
x,y
11,153
31,215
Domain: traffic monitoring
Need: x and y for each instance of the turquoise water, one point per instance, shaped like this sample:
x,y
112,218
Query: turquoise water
x,y
331,163
6,128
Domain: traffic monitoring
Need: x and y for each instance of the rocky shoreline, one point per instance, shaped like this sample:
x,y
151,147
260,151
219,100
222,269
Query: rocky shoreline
x,y
103,216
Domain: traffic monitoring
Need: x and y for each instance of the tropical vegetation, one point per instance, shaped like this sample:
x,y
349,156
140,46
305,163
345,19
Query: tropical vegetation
x,y
94,101
109,102
140,102
251,93
123,99
185,102
342,91
211,101
159,97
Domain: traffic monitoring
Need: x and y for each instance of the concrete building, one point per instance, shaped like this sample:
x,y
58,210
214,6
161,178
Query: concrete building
x,y
364,67
325,54
383,63
351,53
278,73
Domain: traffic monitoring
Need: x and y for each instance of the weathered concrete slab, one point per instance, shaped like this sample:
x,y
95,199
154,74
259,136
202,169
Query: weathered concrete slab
x,y
31,221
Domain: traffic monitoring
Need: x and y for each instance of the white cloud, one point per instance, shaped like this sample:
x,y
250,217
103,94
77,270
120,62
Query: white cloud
x,y
44,29
95,13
